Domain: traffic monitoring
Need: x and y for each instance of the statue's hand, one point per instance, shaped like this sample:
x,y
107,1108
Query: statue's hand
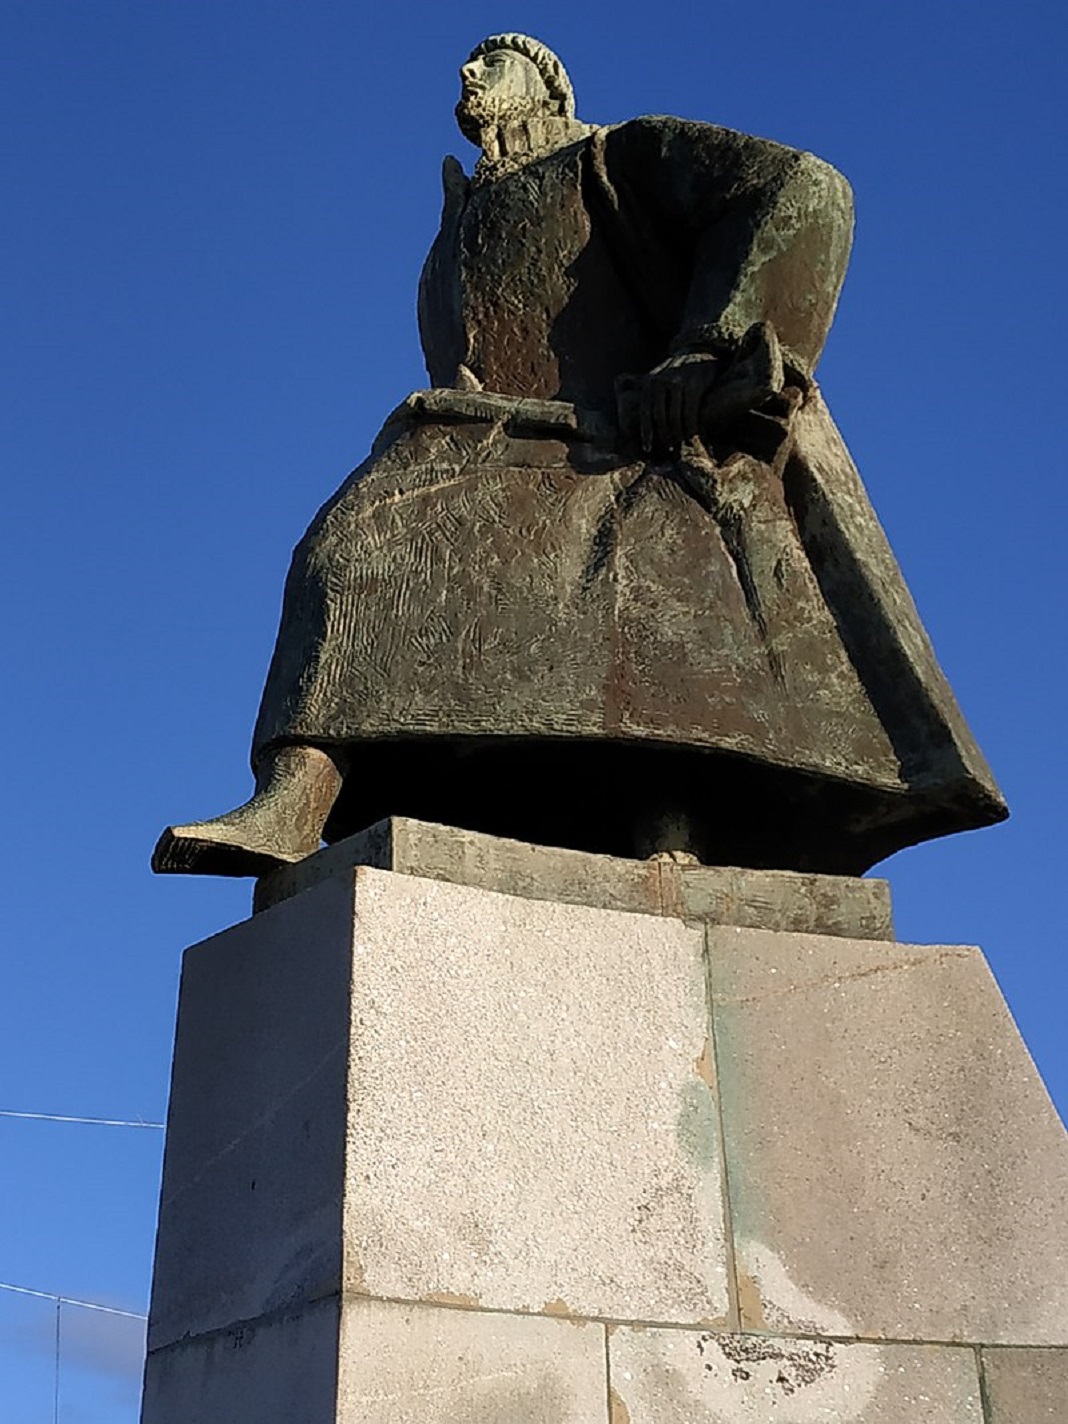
x,y
663,408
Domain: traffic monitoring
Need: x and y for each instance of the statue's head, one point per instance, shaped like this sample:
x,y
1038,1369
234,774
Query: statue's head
x,y
511,80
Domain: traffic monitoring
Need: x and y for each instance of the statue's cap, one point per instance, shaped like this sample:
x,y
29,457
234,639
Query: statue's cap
x,y
541,56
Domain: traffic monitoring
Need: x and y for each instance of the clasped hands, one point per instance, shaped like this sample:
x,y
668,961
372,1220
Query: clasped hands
x,y
662,409
694,390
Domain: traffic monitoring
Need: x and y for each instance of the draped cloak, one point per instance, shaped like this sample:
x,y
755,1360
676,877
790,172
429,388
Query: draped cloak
x,y
540,631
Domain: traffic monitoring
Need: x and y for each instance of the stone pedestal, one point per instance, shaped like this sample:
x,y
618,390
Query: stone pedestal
x,y
441,1153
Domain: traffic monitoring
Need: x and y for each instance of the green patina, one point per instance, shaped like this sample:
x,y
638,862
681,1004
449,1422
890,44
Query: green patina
x,y
698,1131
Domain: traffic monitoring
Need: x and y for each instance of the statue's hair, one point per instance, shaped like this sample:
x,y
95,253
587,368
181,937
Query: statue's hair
x,y
548,66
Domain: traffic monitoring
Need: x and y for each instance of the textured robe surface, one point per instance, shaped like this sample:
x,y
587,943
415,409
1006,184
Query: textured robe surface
x,y
475,585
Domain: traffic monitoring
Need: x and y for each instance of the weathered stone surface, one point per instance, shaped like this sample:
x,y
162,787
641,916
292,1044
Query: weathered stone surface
x,y
621,588
530,1121
361,1361
763,899
1026,1386
779,900
434,1092
892,1154
250,1207
445,1126
686,1377
489,862
404,1364
277,1370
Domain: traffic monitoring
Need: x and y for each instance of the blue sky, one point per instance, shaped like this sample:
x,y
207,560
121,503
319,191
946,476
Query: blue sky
x,y
215,213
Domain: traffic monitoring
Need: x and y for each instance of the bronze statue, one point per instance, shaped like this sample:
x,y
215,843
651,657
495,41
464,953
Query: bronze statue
x,y
613,582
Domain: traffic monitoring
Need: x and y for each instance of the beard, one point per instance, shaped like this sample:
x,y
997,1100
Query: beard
x,y
477,112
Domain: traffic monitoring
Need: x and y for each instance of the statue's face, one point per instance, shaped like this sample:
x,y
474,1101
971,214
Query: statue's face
x,y
500,87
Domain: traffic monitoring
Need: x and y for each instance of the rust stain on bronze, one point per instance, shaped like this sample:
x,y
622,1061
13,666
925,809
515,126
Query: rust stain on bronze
x,y
670,885
653,887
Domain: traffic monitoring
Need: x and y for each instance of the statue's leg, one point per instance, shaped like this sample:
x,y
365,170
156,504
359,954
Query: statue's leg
x,y
668,833
295,788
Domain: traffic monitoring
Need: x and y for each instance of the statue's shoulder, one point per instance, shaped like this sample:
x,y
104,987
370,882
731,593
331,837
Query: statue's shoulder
x,y
665,137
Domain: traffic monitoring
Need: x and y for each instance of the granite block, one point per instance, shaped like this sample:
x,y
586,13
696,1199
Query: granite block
x,y
404,1364
892,1153
431,1092
687,1377
1026,1386
250,1213
275,1370
531,1125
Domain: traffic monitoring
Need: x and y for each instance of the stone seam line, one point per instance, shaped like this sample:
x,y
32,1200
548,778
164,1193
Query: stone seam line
x,y
832,980
607,1375
734,1309
984,1391
610,1323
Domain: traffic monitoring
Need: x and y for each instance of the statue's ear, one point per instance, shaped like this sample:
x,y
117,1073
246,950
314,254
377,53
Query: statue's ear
x,y
454,182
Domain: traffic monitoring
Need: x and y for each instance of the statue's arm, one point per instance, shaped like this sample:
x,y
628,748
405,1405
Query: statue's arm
x,y
779,258
762,233
440,320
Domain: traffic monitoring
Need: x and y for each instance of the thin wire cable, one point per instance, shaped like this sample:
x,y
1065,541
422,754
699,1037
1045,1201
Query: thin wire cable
x,y
94,1121
71,1300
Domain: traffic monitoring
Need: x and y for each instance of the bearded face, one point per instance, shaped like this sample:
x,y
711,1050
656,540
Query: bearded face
x,y
500,89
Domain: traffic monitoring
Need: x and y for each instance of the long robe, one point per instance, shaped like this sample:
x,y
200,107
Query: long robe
x,y
546,634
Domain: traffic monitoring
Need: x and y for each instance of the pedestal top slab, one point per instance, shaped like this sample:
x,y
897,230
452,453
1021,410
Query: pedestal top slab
x,y
716,894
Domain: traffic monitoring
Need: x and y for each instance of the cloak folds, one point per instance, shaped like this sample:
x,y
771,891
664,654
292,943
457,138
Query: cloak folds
x,y
513,622
529,636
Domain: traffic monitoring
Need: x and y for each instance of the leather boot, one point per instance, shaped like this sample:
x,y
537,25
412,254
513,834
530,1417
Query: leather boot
x,y
295,788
